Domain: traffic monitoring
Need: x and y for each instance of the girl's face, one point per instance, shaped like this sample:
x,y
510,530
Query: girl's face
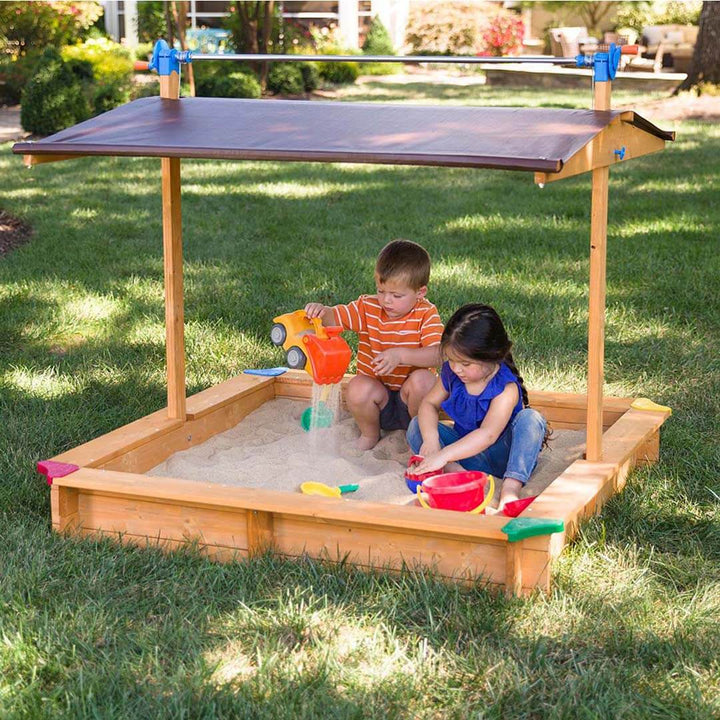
x,y
469,371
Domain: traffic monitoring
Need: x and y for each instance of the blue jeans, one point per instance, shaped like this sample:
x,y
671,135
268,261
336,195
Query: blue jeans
x,y
513,455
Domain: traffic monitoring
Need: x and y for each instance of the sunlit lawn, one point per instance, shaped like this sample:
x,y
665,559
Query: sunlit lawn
x,y
91,629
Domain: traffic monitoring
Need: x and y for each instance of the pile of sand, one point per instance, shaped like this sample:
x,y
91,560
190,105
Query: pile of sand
x,y
268,449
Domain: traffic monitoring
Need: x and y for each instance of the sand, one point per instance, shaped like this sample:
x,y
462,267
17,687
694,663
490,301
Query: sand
x,y
268,449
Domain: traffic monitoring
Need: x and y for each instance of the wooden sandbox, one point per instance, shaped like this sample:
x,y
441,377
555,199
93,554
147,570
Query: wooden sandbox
x,y
103,490
109,495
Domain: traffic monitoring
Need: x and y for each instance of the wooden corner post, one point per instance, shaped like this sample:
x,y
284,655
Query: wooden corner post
x,y
173,264
596,314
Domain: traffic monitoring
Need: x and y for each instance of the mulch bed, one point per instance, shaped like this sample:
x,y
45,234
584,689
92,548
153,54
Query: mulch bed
x,y
13,233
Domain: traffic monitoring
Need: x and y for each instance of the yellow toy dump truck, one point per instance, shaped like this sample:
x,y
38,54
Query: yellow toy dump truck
x,y
312,347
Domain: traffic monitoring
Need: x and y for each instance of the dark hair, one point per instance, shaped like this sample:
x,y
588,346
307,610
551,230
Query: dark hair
x,y
404,259
477,332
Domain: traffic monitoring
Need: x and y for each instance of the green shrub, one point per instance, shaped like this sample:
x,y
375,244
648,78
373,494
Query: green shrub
x,y
145,89
237,84
378,42
53,99
144,51
151,22
209,72
109,95
310,75
105,69
111,62
15,74
339,73
285,79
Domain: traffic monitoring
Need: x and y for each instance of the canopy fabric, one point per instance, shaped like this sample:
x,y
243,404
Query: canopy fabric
x,y
534,139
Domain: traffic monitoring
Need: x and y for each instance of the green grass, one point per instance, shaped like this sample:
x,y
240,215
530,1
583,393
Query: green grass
x,y
92,630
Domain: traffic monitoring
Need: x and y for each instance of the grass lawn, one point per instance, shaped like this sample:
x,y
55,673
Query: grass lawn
x,y
93,630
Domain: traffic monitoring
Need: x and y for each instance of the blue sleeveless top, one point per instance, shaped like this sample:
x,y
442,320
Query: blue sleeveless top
x,y
468,411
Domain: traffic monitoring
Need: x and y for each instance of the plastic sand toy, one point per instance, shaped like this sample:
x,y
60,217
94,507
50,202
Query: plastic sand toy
x,y
459,491
318,488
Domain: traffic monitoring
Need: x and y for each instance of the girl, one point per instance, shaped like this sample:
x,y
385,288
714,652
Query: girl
x,y
482,392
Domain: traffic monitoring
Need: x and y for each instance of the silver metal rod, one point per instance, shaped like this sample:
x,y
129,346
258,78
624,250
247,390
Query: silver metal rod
x,y
469,60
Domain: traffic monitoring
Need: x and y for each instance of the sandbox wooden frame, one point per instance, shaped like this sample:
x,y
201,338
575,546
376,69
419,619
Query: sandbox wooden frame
x,y
110,495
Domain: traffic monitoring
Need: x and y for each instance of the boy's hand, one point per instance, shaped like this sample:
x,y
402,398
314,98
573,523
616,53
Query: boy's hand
x,y
385,362
313,310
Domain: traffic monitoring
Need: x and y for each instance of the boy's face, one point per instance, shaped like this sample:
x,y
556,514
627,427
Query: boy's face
x,y
396,297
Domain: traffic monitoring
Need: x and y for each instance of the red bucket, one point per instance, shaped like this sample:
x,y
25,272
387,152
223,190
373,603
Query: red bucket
x,y
459,491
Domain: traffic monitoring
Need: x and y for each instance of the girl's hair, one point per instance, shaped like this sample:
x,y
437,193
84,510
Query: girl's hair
x,y
477,332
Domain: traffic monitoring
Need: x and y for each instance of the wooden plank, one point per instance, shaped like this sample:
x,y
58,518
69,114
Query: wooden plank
x,y
600,151
260,533
631,433
514,568
536,569
170,86
596,310
153,428
298,384
174,312
30,160
190,433
224,394
187,492
649,453
596,317
575,416
584,486
218,553
163,521
105,448
390,548
64,508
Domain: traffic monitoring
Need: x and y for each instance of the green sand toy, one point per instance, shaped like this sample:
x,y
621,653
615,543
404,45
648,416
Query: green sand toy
x,y
321,418
521,528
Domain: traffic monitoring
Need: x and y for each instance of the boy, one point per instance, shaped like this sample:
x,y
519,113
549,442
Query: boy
x,y
399,335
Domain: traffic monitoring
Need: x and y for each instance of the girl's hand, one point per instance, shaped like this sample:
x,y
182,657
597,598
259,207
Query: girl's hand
x,y
385,362
431,463
313,310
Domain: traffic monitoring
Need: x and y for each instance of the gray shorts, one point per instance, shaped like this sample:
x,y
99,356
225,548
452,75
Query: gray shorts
x,y
395,415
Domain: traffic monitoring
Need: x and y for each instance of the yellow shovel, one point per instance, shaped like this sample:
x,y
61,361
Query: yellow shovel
x,y
318,488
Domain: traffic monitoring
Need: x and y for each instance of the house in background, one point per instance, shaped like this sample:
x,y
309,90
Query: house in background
x,y
352,17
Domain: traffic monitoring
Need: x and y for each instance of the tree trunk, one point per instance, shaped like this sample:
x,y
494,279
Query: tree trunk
x,y
255,38
705,65
180,13
266,33
169,24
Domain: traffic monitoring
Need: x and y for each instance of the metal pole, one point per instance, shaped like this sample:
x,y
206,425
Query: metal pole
x,y
469,60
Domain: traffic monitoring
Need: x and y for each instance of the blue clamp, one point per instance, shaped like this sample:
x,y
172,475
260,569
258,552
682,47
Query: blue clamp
x,y
605,63
166,60
620,153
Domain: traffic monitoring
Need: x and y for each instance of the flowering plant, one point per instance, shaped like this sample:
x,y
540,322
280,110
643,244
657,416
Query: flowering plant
x,y
503,34
34,25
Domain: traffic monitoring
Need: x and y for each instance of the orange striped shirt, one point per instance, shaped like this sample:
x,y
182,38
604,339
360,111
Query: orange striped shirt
x,y
421,327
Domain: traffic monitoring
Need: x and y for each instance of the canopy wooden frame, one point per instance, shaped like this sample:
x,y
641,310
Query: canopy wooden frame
x,y
109,494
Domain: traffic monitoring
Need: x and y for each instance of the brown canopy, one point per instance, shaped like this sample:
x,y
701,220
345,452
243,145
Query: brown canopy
x,y
535,139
